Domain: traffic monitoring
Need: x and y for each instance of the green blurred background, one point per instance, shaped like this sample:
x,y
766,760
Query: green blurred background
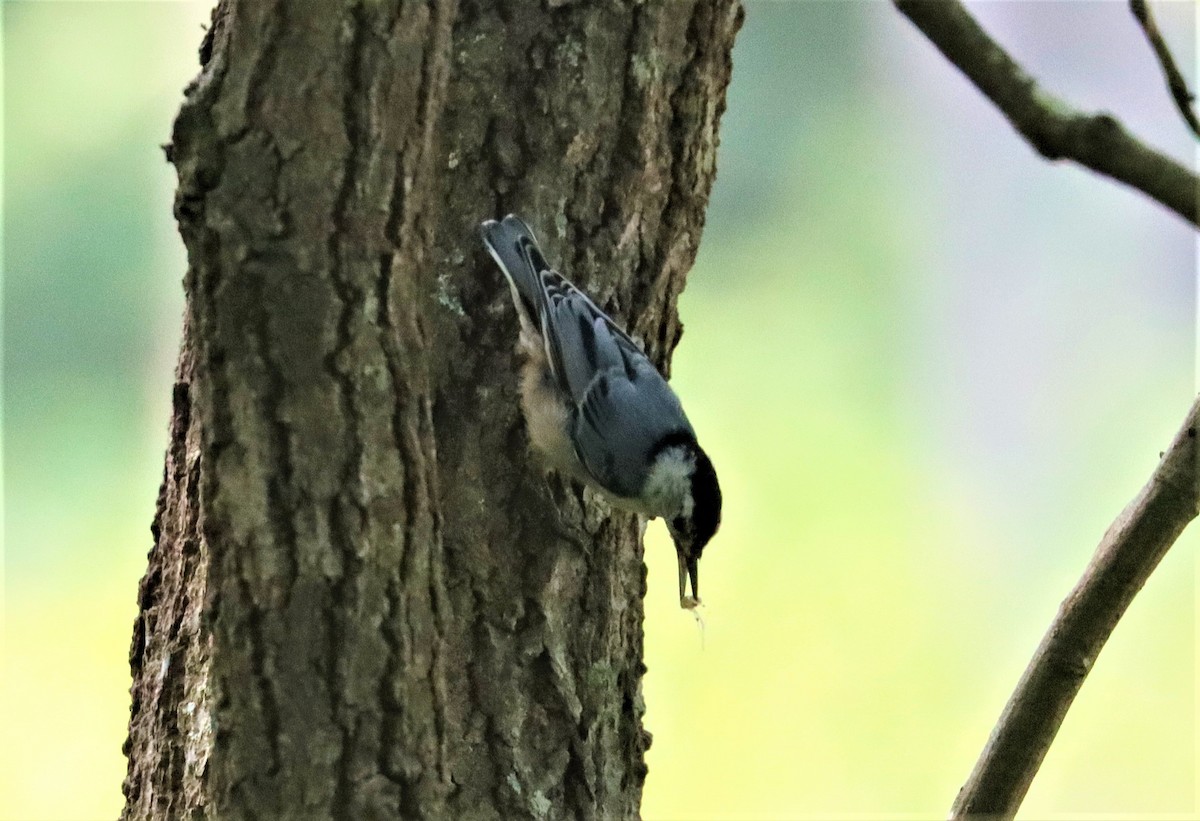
x,y
930,367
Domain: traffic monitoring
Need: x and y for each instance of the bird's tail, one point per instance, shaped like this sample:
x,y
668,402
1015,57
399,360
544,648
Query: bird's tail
x,y
514,247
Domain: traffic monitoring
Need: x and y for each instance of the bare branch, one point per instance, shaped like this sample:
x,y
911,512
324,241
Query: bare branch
x,y
1180,93
1057,131
1130,550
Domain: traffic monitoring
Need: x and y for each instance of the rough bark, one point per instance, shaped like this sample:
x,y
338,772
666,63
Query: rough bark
x,y
364,600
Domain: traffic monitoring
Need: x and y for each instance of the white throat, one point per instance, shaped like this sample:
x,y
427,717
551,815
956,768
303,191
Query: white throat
x,y
668,490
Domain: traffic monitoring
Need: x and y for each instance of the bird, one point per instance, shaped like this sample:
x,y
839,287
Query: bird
x,y
598,410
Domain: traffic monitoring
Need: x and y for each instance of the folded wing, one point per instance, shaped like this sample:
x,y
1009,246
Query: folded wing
x,y
620,405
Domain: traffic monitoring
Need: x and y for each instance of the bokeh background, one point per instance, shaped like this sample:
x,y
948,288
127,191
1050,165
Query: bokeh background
x,y
930,367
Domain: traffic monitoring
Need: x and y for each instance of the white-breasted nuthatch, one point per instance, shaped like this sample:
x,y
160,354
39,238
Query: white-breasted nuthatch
x,y
598,409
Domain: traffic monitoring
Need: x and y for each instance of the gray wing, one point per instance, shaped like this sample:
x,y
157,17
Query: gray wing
x,y
622,406
624,415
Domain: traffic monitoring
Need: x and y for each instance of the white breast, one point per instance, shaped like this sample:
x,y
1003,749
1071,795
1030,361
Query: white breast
x,y
668,487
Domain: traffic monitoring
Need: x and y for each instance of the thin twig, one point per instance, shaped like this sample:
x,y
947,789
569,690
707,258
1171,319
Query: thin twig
x,y
1054,129
1130,550
1180,93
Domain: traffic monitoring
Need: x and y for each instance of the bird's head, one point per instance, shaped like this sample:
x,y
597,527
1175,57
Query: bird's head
x,y
697,521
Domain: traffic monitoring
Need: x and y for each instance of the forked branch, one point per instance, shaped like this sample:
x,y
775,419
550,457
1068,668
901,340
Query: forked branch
x,y
1056,130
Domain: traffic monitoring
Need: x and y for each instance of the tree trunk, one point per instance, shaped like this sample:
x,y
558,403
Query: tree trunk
x,y
364,600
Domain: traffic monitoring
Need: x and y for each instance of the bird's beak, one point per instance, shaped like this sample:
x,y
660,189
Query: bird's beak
x,y
688,570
